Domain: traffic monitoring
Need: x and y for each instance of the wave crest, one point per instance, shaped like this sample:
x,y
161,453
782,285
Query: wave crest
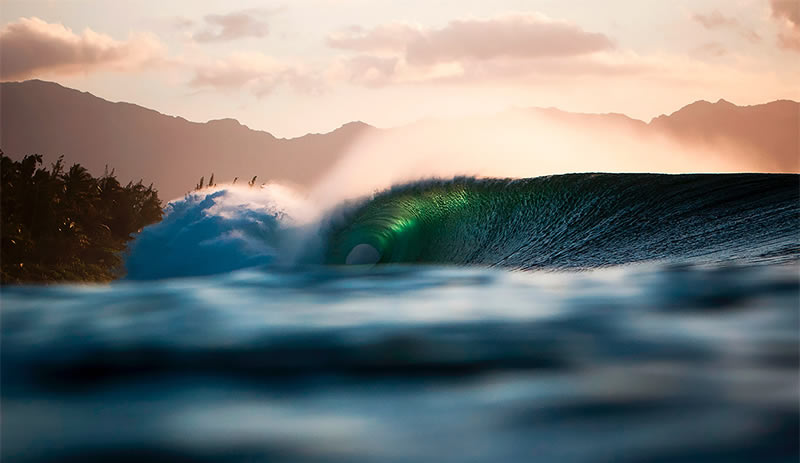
x,y
570,221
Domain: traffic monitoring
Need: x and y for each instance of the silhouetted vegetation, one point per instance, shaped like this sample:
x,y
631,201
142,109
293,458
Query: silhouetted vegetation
x,y
211,183
202,183
65,225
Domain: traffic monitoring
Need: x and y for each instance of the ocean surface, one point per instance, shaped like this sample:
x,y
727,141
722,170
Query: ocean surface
x,y
572,318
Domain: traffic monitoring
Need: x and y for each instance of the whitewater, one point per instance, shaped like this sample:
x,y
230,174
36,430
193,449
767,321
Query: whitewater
x,y
581,317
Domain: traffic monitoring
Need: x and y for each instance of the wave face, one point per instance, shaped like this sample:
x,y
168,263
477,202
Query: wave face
x,y
574,221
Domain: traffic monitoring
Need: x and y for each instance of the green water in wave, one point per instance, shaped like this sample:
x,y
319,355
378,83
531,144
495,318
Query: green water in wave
x,y
577,220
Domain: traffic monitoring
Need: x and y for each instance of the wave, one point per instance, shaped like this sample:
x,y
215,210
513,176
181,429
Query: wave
x,y
555,222
574,221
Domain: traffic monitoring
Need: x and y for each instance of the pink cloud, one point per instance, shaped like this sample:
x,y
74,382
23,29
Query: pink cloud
x,y
514,36
371,71
387,37
521,36
253,72
716,20
235,25
32,47
788,9
787,14
499,48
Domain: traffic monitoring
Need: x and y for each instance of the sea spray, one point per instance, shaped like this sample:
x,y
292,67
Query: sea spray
x,y
217,230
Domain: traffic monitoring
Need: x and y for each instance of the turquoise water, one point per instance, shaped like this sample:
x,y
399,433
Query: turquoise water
x,y
573,318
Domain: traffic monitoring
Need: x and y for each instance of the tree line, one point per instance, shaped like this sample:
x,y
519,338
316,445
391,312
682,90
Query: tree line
x,y
63,224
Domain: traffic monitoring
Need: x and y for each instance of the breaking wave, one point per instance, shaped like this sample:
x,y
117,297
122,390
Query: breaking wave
x,y
555,222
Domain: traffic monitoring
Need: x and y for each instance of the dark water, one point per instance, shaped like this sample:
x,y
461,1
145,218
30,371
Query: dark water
x,y
573,318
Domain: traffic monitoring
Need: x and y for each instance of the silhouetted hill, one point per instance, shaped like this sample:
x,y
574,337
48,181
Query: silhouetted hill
x,y
770,130
768,133
49,119
599,121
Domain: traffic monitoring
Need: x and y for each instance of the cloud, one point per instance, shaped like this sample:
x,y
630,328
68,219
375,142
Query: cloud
x,y
716,20
787,14
514,36
713,20
384,38
506,47
377,71
32,47
788,9
371,71
254,72
233,26
520,36
180,22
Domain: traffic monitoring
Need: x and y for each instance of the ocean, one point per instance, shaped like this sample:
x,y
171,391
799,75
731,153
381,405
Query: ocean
x,y
569,318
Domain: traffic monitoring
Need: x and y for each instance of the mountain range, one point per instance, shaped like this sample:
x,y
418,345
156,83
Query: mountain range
x,y
173,153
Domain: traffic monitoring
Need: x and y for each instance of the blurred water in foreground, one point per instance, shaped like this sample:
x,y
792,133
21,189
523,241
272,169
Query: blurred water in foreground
x,y
655,363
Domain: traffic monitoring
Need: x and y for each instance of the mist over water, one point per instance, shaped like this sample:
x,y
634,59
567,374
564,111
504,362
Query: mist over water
x,y
517,144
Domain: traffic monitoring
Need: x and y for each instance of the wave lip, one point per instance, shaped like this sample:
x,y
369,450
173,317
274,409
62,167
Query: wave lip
x,y
575,221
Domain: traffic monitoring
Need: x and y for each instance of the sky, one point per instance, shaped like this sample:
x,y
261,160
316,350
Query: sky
x,y
309,66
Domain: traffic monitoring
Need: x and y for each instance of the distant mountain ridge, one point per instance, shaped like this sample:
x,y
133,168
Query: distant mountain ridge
x,y
49,119
773,129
